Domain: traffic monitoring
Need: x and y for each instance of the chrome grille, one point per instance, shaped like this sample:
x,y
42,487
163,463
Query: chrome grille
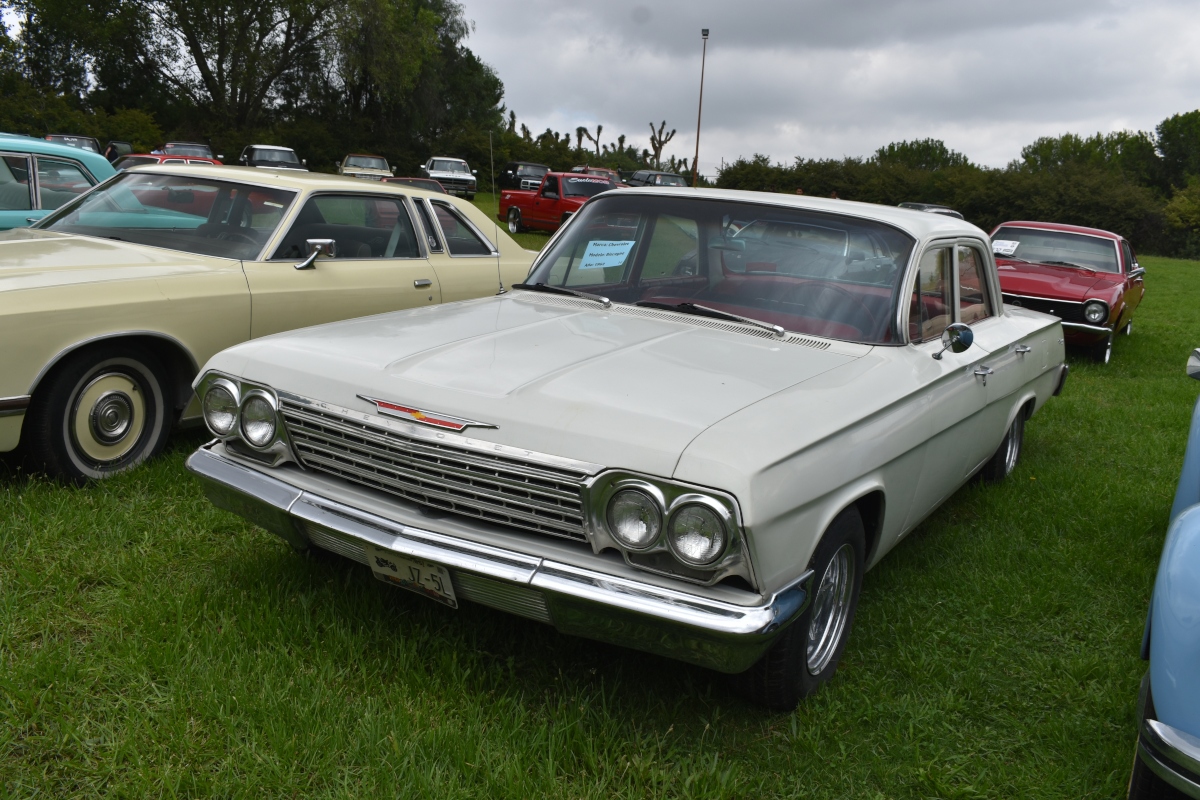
x,y
494,488
1065,310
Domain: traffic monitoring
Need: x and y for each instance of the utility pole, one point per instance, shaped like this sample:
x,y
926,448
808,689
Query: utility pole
x,y
700,110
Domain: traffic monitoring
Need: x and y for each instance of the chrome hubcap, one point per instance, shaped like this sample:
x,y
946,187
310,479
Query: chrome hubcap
x,y
831,609
1015,434
111,417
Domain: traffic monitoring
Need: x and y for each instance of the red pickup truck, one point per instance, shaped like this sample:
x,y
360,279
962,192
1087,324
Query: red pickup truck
x,y
559,196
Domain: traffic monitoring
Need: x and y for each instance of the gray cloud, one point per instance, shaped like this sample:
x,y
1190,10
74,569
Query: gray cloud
x,y
823,78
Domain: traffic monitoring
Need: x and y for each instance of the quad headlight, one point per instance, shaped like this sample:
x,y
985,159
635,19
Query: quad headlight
x,y
634,519
258,420
1095,312
697,535
220,407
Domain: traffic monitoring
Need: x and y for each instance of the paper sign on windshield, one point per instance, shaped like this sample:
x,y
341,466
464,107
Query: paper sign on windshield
x,y
1004,247
599,255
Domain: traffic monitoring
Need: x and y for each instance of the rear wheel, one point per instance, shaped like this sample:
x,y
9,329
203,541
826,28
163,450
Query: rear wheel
x,y
100,412
514,221
1102,353
807,653
1004,461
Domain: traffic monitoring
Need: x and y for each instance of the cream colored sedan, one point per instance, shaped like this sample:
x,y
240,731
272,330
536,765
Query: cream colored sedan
x,y
109,306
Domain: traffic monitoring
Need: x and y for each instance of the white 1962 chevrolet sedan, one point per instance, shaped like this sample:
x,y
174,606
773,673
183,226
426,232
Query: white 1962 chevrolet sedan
x,y
692,428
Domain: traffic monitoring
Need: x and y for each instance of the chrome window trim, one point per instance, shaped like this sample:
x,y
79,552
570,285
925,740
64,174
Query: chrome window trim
x,y
903,298
14,406
35,178
35,203
404,199
471,225
427,218
992,278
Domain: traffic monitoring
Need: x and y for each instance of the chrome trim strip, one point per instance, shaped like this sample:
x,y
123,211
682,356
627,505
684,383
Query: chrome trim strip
x,y
1079,326
13,406
690,627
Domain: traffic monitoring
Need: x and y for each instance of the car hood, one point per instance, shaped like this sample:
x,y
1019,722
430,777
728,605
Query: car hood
x,y
618,388
31,259
1045,280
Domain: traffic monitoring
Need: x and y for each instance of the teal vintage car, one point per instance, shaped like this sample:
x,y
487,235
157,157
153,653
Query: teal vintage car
x,y
37,177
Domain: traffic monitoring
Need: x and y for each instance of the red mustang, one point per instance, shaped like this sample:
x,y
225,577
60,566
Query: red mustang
x,y
1088,278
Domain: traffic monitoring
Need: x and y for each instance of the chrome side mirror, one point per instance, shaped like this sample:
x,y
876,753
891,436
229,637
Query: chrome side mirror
x,y
1193,367
318,247
956,338
1136,272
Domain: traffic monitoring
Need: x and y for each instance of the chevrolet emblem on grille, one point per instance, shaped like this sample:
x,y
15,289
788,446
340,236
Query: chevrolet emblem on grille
x,y
435,420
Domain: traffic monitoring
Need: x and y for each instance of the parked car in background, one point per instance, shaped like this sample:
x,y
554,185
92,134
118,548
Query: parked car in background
x,y
191,149
522,175
559,195
1167,764
115,150
88,143
667,437
371,168
142,159
428,184
37,177
269,156
649,177
1087,277
585,169
933,208
454,174
109,306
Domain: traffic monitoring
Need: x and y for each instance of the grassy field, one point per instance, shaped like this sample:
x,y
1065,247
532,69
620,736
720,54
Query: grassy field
x,y
151,645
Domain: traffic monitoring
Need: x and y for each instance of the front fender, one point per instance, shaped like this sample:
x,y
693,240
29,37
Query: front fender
x,y
1175,626
1187,493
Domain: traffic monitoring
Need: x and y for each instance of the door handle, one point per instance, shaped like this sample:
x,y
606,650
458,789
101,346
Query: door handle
x,y
1023,349
983,371
421,283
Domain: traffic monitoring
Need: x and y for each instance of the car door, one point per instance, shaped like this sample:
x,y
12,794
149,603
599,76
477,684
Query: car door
x,y
59,181
465,260
378,264
16,191
952,397
1135,285
546,207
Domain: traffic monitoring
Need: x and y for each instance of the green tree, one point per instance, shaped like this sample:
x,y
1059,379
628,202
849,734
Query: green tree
x,y
927,154
1179,144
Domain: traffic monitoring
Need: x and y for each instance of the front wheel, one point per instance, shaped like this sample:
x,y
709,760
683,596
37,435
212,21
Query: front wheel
x,y
807,653
1004,460
514,221
102,411
471,196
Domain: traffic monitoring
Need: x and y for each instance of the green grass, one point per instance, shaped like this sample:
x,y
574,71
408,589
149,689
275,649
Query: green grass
x,y
151,645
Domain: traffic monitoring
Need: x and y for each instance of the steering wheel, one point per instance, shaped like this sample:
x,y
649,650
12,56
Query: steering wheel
x,y
823,307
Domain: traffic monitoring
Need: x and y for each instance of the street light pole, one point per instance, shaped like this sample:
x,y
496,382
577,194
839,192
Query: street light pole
x,y
700,110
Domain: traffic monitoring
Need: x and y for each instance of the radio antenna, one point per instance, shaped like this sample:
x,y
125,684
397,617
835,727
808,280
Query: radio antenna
x,y
496,216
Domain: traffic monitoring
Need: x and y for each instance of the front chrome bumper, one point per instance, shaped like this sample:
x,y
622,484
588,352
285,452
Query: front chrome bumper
x,y
1080,327
1171,754
583,602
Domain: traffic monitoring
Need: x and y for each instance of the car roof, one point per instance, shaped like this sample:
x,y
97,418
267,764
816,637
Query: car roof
x,y
95,162
918,224
197,144
266,176
269,147
1063,228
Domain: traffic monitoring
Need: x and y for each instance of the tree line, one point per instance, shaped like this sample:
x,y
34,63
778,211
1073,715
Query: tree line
x,y
1144,185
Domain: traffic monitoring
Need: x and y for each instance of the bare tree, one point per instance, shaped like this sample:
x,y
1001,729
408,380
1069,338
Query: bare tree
x,y
658,141
594,139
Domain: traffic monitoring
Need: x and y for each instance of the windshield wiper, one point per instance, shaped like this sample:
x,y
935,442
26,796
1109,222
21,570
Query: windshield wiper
x,y
542,287
705,311
1069,264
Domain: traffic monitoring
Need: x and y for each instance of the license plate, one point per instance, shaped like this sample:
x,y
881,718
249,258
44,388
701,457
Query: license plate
x,y
422,577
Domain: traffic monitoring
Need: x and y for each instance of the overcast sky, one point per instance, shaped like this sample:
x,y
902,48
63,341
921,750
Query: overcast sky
x,y
833,78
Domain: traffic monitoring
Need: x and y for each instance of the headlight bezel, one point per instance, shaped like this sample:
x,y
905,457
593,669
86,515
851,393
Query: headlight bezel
x,y
1103,315
273,415
278,449
659,556
649,493
230,388
705,503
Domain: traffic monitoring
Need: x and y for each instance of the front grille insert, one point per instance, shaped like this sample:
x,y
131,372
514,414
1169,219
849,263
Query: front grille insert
x,y
1065,310
439,474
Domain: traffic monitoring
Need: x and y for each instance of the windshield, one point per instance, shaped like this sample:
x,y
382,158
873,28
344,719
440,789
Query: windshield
x,y
133,161
274,156
586,187
79,142
366,162
668,180
1051,247
809,272
446,165
179,149
208,217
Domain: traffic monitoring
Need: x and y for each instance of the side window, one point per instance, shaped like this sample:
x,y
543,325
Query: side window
x,y
551,186
460,238
431,239
932,302
973,294
361,227
60,181
14,184
1127,252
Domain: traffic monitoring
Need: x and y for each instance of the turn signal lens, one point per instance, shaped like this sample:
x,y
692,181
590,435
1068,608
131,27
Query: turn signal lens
x,y
258,421
697,535
1095,312
634,519
220,410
